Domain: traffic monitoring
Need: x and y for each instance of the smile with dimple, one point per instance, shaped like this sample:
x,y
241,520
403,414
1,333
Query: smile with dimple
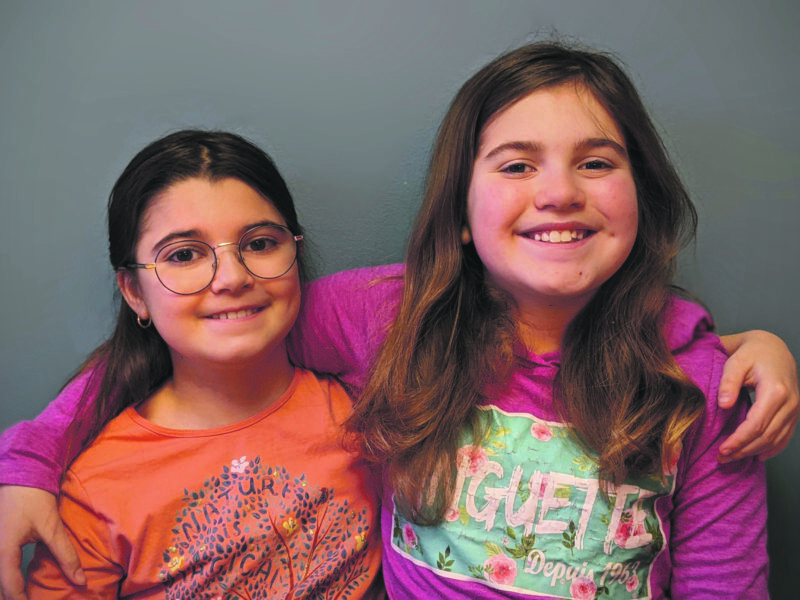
x,y
236,314
559,236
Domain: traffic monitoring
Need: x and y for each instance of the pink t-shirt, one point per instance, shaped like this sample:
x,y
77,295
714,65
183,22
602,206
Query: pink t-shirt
x,y
528,520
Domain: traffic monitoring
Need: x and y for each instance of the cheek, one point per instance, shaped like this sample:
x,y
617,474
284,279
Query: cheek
x,y
163,305
621,207
491,209
625,215
288,290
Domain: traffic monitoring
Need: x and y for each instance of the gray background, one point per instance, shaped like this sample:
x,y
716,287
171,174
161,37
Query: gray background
x,y
347,96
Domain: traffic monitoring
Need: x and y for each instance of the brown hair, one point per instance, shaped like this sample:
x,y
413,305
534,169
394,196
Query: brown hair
x,y
134,362
452,341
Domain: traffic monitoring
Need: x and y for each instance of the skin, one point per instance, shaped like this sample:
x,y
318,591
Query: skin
x,y
245,356
552,206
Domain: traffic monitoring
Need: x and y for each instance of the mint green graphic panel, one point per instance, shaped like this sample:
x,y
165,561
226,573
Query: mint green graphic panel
x,y
528,516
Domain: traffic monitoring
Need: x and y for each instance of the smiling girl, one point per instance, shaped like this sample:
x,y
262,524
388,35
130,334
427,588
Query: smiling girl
x,y
543,404
199,480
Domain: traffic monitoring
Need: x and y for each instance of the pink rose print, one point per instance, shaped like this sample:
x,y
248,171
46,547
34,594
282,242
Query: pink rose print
x,y
583,588
541,432
240,465
500,569
627,530
473,458
632,583
452,514
410,536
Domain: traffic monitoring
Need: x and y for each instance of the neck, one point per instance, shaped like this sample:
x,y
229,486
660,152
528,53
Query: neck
x,y
210,396
541,328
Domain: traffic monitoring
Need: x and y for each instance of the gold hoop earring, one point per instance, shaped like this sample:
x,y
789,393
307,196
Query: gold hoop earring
x,y
144,323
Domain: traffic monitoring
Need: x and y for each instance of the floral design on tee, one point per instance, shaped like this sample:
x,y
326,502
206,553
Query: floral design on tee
x,y
528,516
254,531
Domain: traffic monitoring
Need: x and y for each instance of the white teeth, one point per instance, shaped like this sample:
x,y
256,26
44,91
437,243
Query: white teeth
x,y
559,237
239,314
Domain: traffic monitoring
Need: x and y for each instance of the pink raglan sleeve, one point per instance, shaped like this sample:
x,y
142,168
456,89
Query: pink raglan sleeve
x,y
343,320
718,523
35,453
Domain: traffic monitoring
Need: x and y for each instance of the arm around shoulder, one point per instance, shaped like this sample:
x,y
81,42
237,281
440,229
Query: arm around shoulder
x,y
34,453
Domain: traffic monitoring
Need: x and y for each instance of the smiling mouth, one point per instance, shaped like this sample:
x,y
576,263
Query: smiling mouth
x,y
236,314
557,236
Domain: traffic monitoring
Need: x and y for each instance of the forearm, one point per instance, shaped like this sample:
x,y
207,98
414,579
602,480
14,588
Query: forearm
x,y
35,453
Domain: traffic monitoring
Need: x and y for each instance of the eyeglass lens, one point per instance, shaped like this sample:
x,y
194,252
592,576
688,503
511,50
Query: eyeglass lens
x,y
188,266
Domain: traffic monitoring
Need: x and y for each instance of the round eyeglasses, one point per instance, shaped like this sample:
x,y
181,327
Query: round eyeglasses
x,y
188,266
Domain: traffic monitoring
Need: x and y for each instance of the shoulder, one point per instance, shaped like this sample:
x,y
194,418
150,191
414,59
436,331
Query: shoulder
x,y
685,322
701,356
325,389
116,439
689,331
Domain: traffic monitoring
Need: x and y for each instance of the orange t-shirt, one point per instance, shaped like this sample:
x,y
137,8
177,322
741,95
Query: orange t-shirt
x,y
270,507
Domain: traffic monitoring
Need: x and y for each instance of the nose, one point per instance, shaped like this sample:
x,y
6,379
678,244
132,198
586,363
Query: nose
x,y
558,189
231,274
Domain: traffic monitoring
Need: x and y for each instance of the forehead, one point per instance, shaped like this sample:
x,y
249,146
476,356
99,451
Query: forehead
x,y
564,111
200,204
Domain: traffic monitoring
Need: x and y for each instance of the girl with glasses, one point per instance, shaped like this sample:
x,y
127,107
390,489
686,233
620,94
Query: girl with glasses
x,y
202,476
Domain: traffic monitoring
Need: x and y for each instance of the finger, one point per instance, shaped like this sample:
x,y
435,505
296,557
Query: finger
x,y
12,585
63,551
735,374
750,437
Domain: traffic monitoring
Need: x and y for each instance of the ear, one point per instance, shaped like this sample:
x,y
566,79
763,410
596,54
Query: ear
x,y
466,235
129,287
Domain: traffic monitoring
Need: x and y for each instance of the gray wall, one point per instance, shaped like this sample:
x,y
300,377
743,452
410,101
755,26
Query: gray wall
x,y
347,96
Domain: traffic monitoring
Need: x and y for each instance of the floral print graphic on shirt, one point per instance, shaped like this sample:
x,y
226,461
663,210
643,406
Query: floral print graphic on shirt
x,y
254,531
528,516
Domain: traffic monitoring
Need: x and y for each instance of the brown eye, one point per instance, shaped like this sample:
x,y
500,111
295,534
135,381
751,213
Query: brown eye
x,y
594,165
183,253
517,168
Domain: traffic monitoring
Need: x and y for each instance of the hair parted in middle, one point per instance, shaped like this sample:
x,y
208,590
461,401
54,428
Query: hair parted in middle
x,y
137,361
453,339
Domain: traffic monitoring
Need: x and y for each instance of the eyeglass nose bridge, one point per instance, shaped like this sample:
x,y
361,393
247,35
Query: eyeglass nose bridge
x,y
238,254
222,245
214,248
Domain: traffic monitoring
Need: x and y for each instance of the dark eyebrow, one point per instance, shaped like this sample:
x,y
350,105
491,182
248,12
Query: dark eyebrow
x,y
519,146
533,147
590,143
194,234
175,235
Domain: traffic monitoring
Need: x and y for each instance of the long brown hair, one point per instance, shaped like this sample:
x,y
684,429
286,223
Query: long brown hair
x,y
134,362
452,341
